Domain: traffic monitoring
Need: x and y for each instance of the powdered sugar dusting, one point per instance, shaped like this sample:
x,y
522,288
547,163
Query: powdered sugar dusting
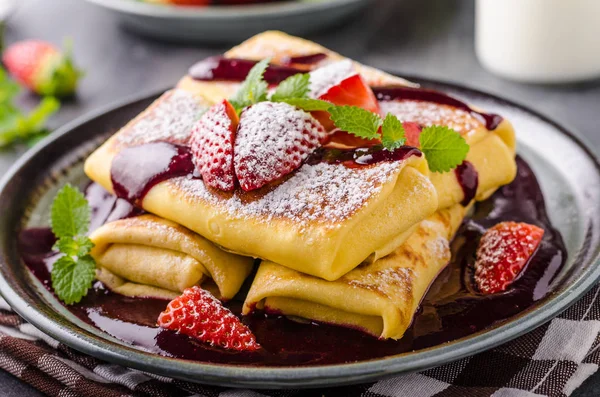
x,y
170,119
272,140
326,77
429,113
323,193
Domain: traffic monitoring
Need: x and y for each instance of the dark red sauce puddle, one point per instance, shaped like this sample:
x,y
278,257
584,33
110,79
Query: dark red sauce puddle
x,y
452,308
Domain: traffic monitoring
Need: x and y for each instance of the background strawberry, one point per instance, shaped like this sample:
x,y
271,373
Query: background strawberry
x,y
503,252
198,314
42,67
212,146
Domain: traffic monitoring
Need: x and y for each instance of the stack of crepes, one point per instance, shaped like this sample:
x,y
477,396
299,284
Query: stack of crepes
x,y
352,246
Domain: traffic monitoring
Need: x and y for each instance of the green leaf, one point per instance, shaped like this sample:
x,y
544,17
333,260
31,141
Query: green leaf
x,y
443,147
308,104
357,121
392,132
72,278
70,213
296,86
253,89
14,124
74,246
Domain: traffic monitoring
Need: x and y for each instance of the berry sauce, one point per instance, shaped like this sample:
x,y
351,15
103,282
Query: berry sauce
x,y
233,69
451,309
135,170
468,178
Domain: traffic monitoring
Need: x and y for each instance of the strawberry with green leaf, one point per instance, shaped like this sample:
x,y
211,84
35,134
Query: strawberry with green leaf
x,y
16,126
42,67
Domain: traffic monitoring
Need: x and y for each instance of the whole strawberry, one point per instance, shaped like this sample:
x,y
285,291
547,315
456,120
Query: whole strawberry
x,y
42,68
503,252
198,314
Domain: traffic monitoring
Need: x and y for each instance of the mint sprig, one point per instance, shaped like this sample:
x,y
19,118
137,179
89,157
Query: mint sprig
x,y
392,132
296,86
253,89
73,273
443,147
357,121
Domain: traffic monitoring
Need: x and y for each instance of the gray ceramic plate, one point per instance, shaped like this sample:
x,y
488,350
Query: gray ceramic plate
x,y
226,24
568,172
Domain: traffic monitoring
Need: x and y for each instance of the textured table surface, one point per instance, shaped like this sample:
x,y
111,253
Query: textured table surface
x,y
428,38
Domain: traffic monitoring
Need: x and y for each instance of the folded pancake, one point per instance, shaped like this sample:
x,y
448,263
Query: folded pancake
x,y
153,257
379,298
323,219
492,153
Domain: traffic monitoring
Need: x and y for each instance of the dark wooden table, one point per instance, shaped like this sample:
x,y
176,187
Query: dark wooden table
x,y
429,38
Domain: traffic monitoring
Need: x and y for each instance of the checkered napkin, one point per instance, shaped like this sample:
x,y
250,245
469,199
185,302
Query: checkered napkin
x,y
553,360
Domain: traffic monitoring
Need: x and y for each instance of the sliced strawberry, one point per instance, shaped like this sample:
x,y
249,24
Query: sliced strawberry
x,y
412,131
42,68
212,142
198,314
272,140
328,76
503,252
352,91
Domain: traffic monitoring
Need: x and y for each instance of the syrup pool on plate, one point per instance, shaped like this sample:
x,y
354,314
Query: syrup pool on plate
x,y
452,308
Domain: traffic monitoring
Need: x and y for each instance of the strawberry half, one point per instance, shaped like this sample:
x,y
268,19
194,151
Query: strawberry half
x,y
352,91
198,314
272,140
42,68
212,141
503,252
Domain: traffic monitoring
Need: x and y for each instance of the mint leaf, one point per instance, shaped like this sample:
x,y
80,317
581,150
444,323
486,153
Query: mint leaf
x,y
72,278
74,246
357,121
70,213
296,86
443,147
253,89
392,132
308,104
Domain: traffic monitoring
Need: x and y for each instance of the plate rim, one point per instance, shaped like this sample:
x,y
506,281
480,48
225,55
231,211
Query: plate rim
x,y
309,376
132,7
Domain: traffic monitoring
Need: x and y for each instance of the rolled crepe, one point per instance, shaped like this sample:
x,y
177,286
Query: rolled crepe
x,y
150,256
323,219
380,298
492,153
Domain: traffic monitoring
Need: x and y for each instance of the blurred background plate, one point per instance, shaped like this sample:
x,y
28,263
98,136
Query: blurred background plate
x,y
224,24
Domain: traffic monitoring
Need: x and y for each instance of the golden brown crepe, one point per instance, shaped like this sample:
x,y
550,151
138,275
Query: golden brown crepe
x,y
337,214
379,298
324,219
150,256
